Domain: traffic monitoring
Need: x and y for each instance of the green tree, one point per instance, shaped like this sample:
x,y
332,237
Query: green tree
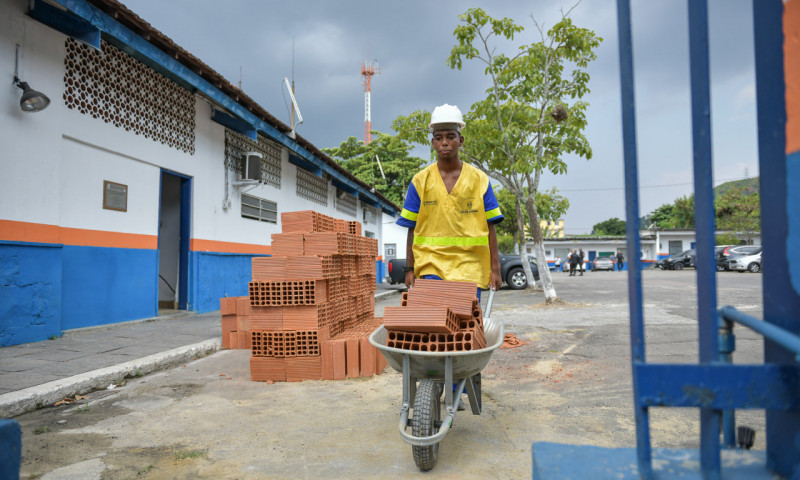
x,y
395,159
612,226
739,211
531,116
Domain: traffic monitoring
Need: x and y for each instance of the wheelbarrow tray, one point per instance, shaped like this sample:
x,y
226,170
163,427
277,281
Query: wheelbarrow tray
x,y
432,364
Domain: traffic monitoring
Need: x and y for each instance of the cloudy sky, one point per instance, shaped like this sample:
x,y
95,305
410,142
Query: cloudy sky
x,y
411,41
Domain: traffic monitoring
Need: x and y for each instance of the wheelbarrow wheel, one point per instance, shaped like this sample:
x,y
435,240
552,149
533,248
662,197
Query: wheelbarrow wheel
x,y
426,421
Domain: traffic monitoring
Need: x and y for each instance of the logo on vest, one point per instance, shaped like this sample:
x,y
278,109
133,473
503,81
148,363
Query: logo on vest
x,y
468,208
430,203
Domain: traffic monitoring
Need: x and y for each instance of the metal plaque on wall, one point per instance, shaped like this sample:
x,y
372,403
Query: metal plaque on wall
x,y
115,196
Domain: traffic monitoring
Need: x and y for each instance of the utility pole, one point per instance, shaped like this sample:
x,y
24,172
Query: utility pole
x,y
368,69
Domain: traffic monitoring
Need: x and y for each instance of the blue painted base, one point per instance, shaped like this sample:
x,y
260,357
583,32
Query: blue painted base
x,y
30,292
216,275
10,449
554,461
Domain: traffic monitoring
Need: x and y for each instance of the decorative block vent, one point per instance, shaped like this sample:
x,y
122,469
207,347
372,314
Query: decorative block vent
x,y
311,187
115,87
237,144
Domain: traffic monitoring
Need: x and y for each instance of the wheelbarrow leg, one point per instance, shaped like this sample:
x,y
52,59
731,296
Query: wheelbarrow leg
x,y
474,393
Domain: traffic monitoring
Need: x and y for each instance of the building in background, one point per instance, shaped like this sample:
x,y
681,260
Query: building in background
x,y
148,181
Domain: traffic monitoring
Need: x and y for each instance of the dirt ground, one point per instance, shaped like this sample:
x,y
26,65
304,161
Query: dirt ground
x,y
570,383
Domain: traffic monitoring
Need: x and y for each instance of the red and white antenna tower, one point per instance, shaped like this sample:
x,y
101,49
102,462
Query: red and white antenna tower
x,y
368,69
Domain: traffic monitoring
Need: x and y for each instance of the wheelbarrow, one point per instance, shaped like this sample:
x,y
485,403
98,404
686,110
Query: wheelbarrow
x,y
426,375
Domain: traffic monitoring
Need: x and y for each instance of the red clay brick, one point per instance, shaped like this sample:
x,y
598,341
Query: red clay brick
x,y
241,341
227,306
353,358
367,352
242,305
303,368
229,323
234,340
339,359
226,340
326,352
266,318
242,322
263,369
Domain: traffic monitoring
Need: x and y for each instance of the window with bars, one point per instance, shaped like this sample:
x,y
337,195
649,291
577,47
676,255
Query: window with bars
x,y
311,187
344,202
259,209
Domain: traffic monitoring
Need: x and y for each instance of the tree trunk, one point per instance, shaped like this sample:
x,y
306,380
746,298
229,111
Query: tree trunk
x,y
538,247
523,250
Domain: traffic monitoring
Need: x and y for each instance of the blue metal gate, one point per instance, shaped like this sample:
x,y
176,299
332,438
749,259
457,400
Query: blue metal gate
x,y
714,386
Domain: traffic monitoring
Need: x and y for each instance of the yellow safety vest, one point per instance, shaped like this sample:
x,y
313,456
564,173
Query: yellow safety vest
x,y
451,238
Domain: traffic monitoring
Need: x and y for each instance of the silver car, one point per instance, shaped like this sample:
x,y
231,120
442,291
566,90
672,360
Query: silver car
x,y
746,262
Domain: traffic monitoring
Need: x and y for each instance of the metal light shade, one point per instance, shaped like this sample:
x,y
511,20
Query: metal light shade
x,y
32,100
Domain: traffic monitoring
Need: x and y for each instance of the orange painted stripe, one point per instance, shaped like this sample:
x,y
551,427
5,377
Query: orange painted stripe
x,y
791,66
380,257
198,244
40,233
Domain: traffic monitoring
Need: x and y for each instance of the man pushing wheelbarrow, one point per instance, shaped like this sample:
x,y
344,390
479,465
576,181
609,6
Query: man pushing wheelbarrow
x,y
450,211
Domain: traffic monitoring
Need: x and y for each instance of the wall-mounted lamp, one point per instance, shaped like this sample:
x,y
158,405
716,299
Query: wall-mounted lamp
x,y
31,100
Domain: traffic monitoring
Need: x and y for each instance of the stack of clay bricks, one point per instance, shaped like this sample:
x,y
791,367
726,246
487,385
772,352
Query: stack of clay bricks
x,y
311,304
235,313
436,316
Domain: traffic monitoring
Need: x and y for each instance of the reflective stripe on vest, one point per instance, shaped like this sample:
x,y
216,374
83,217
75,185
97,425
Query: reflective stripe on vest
x,y
457,241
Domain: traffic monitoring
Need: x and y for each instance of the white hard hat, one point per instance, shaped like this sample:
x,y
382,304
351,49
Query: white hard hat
x,y
446,117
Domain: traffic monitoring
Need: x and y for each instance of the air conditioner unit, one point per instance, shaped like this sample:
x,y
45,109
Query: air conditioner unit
x,y
251,166
251,169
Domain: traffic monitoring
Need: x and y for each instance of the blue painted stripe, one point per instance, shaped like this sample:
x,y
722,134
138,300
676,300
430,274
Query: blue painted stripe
x,y
108,285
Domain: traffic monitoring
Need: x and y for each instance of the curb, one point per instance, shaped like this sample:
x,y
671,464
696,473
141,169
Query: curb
x,y
31,398
386,294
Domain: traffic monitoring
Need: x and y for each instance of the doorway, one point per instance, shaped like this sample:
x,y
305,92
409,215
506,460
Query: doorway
x,y
173,241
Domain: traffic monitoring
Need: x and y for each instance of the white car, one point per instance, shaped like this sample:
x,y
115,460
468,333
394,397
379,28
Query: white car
x,y
749,263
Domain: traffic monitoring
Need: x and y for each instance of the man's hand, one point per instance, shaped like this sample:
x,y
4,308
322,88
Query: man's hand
x,y
410,279
495,281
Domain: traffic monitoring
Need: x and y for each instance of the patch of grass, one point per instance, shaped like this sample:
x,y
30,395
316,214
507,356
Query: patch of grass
x,y
144,470
41,430
138,373
182,455
39,406
34,476
52,337
83,409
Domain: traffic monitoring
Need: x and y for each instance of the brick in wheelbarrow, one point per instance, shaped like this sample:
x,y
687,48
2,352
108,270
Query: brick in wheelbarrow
x,y
424,319
461,305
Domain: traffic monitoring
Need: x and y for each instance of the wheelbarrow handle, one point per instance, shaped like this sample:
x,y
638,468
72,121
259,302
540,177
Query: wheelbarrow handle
x,y
489,303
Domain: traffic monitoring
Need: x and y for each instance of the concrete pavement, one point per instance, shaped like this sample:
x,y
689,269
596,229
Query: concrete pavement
x,y
83,360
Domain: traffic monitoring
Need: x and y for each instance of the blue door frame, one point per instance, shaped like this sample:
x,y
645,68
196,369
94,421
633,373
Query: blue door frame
x,y
185,236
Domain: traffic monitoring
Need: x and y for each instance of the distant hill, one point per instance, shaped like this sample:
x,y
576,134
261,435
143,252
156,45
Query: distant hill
x,y
749,184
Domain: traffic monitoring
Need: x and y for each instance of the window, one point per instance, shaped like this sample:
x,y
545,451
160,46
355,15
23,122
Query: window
x,y
370,216
369,234
259,209
344,202
311,187
675,247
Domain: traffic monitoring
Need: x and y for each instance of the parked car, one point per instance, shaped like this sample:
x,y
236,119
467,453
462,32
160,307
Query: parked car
x,y
682,260
603,263
511,271
725,252
722,257
746,262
